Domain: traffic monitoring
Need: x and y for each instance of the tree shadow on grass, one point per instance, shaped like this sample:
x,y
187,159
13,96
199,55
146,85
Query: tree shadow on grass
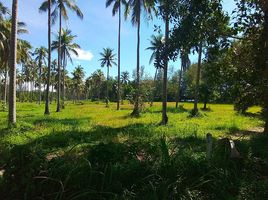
x,y
108,170
65,121
246,133
64,139
257,115
180,109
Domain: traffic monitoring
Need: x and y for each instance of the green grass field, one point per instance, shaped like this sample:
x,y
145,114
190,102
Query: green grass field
x,y
126,156
96,121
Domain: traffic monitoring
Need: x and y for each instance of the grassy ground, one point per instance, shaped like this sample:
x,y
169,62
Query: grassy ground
x,y
92,140
92,118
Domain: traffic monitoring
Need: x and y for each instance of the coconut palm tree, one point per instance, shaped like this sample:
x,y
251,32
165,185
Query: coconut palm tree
x,y
68,48
156,47
137,7
5,47
78,76
96,80
107,60
117,8
48,8
60,10
165,7
125,77
41,55
13,64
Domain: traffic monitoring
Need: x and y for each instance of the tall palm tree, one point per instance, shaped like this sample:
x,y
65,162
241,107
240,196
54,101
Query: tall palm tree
x,y
164,5
78,76
48,8
117,8
5,46
13,64
137,7
107,60
68,47
156,47
97,78
185,63
60,10
41,54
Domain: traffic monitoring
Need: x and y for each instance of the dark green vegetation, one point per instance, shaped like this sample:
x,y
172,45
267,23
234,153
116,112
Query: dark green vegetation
x,y
89,151
100,154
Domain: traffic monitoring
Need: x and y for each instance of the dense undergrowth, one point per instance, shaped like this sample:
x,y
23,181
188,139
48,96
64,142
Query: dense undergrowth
x,y
90,152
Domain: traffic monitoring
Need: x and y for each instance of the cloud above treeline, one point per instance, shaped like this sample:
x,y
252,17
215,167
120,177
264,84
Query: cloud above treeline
x,y
83,55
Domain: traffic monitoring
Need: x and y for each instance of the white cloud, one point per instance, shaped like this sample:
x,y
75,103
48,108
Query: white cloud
x,y
83,55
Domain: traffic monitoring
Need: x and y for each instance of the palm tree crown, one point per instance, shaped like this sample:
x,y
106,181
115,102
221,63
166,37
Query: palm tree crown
x,y
107,58
68,46
62,5
156,46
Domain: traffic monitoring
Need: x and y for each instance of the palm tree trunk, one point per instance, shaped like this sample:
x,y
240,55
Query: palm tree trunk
x,y
119,48
196,93
12,65
49,58
107,92
63,79
136,111
179,88
39,81
59,66
164,103
5,87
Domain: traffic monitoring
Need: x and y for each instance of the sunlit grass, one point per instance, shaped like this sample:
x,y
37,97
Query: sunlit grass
x,y
90,118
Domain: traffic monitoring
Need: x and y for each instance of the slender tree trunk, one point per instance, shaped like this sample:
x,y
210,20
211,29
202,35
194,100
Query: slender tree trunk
x,y
49,58
196,93
5,87
12,65
154,89
136,111
164,103
107,91
119,48
179,88
39,81
59,66
265,32
205,105
63,79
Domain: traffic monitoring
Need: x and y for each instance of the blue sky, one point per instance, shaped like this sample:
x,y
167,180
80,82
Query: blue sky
x,y
97,30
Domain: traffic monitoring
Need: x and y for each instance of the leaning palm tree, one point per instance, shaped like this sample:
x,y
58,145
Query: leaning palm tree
x,y
156,48
60,10
137,7
68,48
107,60
117,4
12,65
48,8
41,54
